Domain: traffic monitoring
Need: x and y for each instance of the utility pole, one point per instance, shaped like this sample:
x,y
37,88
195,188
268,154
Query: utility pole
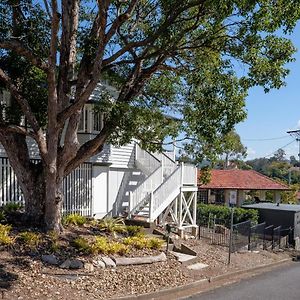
x,y
296,134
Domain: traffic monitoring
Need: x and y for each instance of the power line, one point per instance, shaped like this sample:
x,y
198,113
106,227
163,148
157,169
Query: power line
x,y
268,139
280,148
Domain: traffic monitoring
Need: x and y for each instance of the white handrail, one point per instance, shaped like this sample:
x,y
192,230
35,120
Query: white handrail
x,y
140,194
164,192
145,161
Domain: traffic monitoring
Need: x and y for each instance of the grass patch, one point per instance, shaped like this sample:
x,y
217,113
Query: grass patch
x,y
5,239
82,245
112,225
142,242
30,239
74,219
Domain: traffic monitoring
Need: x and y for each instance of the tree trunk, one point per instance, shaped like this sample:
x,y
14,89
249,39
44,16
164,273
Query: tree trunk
x,y
33,188
53,202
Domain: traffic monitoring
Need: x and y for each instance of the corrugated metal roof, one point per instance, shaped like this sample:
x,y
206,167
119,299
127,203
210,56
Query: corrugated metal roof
x,y
273,206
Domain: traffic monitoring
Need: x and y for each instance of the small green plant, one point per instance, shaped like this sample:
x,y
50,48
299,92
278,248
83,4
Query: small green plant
x,y
74,219
82,245
112,225
2,216
11,207
5,239
102,245
134,230
118,248
155,243
30,239
136,242
54,238
142,242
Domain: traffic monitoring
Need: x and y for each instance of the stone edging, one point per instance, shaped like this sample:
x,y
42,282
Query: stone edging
x,y
182,288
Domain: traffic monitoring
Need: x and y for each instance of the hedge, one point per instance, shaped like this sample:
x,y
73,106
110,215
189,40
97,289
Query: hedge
x,y
223,214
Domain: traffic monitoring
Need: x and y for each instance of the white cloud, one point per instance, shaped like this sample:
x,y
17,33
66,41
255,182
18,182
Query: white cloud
x,y
298,125
251,152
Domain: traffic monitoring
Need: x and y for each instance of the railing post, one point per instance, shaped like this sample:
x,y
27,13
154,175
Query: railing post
x,y
162,169
150,206
130,204
182,174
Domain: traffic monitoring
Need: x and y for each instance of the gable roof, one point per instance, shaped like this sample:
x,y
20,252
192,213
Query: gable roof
x,y
241,180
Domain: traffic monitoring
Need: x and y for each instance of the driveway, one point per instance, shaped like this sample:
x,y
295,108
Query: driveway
x,y
279,284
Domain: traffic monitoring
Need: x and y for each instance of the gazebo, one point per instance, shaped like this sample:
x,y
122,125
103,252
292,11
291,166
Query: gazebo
x,y
232,186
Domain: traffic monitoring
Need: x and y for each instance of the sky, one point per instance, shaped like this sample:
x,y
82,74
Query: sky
x,y
271,115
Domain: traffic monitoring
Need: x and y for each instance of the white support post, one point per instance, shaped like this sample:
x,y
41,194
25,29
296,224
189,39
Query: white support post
x,y
180,221
162,169
195,209
176,208
182,174
130,204
150,206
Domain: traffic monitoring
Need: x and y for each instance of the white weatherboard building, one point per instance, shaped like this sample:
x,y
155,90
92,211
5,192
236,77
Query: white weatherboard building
x,y
125,180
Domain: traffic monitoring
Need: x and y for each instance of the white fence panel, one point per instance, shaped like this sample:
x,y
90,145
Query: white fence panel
x,y
77,188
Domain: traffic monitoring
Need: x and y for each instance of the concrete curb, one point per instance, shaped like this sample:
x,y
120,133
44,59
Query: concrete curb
x,y
195,284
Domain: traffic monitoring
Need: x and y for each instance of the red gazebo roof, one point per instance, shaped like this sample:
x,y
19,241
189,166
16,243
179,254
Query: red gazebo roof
x,y
241,180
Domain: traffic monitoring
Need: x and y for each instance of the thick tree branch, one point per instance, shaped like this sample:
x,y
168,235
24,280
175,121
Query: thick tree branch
x,y
20,49
120,20
26,109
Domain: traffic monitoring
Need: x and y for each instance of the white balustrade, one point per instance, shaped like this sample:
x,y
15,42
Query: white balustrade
x,y
140,194
189,176
145,161
164,192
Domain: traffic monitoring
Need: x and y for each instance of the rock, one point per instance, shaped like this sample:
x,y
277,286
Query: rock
x,y
99,263
123,261
76,264
109,262
89,267
72,264
50,259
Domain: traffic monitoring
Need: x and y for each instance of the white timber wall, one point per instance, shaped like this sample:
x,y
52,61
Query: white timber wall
x,y
100,191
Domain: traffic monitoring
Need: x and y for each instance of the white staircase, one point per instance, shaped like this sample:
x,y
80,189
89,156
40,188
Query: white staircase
x,y
165,181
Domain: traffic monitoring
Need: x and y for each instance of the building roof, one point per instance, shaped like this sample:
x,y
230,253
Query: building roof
x,y
241,180
274,206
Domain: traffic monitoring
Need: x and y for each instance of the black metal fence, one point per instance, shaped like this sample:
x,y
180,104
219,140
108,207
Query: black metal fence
x,y
244,235
240,235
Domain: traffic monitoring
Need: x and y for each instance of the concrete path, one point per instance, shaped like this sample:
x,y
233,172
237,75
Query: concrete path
x,y
279,284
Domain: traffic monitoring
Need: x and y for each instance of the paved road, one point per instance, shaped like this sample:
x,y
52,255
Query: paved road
x,y
279,284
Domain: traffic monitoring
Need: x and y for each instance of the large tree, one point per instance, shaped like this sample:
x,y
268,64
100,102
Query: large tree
x,y
192,59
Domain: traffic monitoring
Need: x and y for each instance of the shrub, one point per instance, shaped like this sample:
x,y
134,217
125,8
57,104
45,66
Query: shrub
x,y
12,207
112,225
133,230
54,238
155,243
5,239
142,242
2,216
223,213
30,239
74,219
82,245
102,245
118,248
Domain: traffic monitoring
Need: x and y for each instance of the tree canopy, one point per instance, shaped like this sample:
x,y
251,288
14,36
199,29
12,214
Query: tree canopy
x,y
192,60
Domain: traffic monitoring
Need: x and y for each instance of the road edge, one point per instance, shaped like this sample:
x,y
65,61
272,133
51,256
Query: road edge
x,y
196,286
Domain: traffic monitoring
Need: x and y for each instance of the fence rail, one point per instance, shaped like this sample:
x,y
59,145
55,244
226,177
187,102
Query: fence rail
x,y
77,188
244,235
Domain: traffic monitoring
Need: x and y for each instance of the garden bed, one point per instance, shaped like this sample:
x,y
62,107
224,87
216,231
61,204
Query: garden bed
x,y
23,274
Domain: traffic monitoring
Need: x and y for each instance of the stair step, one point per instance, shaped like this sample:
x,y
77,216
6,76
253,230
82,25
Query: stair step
x,y
185,259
